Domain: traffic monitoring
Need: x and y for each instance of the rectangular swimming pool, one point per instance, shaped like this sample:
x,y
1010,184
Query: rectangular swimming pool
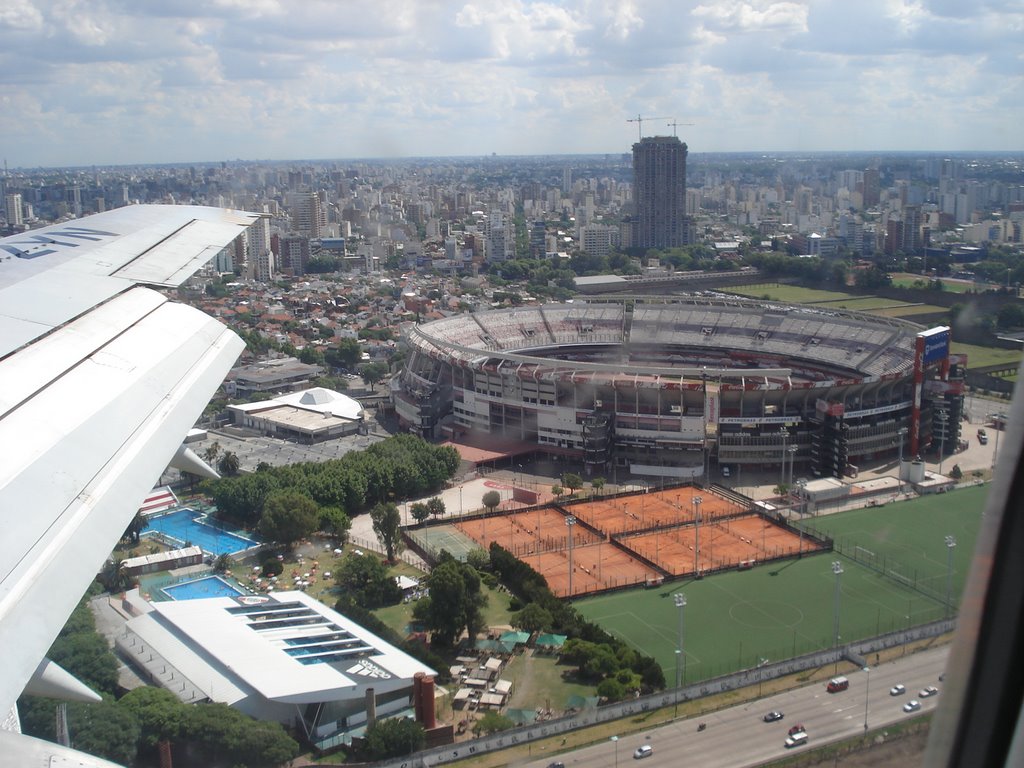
x,y
207,586
188,526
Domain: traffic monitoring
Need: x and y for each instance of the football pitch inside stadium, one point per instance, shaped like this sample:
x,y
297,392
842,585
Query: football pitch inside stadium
x,y
896,568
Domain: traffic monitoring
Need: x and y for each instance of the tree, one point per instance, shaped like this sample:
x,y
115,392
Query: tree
x,y
493,722
455,602
334,522
223,563
387,525
557,490
373,373
134,530
436,506
228,464
419,511
212,452
491,500
159,713
533,618
288,516
104,730
394,737
366,580
572,482
611,689
597,484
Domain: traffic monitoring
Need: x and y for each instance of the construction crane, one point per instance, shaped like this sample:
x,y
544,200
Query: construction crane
x,y
673,125
640,123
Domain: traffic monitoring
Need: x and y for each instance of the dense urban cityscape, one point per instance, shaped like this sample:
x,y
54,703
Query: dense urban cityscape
x,y
518,319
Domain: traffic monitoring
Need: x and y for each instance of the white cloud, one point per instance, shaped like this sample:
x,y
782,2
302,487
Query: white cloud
x,y
98,81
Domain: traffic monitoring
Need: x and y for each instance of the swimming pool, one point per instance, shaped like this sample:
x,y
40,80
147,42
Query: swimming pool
x,y
207,586
184,525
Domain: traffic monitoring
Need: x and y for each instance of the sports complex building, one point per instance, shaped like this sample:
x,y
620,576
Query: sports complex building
x,y
671,387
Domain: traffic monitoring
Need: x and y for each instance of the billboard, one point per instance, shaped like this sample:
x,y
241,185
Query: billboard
x,y
933,344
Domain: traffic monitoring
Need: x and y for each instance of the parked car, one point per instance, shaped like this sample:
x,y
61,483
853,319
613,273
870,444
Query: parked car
x,y
772,716
927,691
912,706
897,690
982,436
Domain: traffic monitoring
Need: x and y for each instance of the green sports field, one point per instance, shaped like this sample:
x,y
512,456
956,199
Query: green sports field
x,y
776,611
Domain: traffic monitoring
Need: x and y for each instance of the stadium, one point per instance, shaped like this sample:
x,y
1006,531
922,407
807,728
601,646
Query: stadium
x,y
680,387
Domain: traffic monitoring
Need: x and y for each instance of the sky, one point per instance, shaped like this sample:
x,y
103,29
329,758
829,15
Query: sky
x,y
115,82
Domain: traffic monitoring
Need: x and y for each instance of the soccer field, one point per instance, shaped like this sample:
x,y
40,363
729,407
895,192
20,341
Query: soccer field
x,y
739,619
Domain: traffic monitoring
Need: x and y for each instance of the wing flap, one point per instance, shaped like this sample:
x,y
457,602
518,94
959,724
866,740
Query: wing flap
x,y
79,455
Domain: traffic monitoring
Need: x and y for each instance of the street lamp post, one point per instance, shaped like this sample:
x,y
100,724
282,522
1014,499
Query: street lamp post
x,y
680,601
792,459
615,741
697,501
570,521
867,689
901,433
837,569
950,546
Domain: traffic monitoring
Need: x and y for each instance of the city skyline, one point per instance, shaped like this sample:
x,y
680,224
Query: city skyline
x,y
121,84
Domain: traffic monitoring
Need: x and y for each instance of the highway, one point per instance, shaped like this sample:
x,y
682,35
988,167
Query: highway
x,y
737,737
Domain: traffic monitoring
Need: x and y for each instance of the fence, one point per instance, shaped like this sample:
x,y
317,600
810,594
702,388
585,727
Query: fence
x,y
855,652
411,558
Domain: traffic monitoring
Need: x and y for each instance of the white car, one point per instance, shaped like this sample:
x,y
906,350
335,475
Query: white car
x,y
641,752
897,690
930,690
912,706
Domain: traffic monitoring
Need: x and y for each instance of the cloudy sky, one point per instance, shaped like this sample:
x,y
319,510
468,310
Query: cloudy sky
x,y
134,81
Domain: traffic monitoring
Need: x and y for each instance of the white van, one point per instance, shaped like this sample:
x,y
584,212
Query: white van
x,y
796,740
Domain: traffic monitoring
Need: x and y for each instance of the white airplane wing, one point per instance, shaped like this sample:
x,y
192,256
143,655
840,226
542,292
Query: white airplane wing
x,y
100,379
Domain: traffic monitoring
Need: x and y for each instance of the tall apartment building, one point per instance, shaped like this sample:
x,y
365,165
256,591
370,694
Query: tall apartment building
x,y
14,211
598,239
872,187
659,192
260,259
294,253
305,213
500,233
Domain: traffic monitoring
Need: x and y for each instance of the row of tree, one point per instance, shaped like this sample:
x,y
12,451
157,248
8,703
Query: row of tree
x,y
128,730
399,467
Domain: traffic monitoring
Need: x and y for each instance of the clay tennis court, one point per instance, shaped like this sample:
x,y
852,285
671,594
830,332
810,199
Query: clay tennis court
x,y
734,542
643,511
596,567
636,539
527,533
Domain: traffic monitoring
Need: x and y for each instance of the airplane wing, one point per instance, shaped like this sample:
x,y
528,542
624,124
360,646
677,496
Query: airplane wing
x,y
101,379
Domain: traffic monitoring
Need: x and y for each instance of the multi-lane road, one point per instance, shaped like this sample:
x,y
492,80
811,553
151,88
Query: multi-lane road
x,y
737,737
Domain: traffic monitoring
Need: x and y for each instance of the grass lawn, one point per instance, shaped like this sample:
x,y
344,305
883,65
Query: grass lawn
x,y
398,617
789,293
979,357
905,280
908,310
779,610
538,682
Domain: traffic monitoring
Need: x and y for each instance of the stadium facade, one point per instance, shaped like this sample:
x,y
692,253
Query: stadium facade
x,y
681,387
